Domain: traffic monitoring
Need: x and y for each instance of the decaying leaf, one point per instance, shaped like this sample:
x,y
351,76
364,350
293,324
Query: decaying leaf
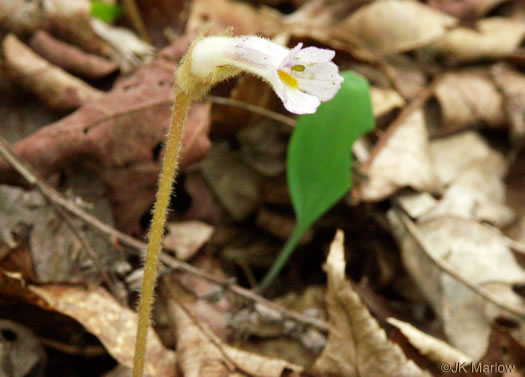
x,y
21,354
55,87
56,253
236,185
356,346
402,160
186,238
479,256
405,25
120,137
200,353
469,97
69,20
70,58
435,349
114,325
494,37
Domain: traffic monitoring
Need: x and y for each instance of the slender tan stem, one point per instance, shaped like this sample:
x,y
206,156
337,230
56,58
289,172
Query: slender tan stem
x,y
167,176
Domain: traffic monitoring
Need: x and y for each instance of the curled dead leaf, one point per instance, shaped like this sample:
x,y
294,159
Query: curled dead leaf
x,y
356,346
55,87
435,349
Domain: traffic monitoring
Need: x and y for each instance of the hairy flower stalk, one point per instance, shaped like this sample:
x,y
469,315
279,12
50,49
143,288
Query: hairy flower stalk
x,y
301,77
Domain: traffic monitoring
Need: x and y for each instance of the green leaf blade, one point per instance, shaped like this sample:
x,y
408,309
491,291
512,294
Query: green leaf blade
x,y
319,160
319,163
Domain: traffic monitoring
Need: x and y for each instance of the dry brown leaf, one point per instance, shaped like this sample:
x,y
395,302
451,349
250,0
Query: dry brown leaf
x,y
115,326
186,238
512,84
356,346
403,26
234,183
435,349
403,160
70,58
200,353
120,137
477,254
493,38
469,97
55,87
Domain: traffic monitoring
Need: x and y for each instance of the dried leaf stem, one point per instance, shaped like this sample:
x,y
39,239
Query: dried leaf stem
x,y
169,169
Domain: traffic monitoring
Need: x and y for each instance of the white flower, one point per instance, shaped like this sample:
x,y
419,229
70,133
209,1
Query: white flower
x,y
301,77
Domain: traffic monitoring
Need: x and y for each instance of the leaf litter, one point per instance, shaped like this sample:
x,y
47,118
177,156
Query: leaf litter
x,y
434,223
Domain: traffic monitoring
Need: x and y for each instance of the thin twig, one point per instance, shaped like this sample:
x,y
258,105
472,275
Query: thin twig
x,y
112,234
81,237
414,232
254,109
136,20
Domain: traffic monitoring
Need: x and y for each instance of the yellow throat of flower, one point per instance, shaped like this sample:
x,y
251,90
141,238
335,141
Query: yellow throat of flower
x,y
288,79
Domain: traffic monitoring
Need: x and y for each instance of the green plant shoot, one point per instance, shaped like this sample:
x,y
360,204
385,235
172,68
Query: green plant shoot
x,y
106,12
319,160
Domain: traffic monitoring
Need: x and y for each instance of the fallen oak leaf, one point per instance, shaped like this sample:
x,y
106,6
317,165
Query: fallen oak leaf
x,y
356,346
114,325
119,137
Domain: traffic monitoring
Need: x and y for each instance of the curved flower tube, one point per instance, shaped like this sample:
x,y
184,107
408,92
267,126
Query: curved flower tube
x,y
301,77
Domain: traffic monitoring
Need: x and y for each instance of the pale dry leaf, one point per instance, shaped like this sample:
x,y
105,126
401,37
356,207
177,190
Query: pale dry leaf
x,y
481,257
469,97
130,49
435,349
114,325
54,86
512,84
187,237
356,346
453,155
493,38
385,100
200,353
404,160
473,174
403,26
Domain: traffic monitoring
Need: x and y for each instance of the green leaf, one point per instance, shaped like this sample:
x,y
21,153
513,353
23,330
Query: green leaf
x,y
105,12
319,161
